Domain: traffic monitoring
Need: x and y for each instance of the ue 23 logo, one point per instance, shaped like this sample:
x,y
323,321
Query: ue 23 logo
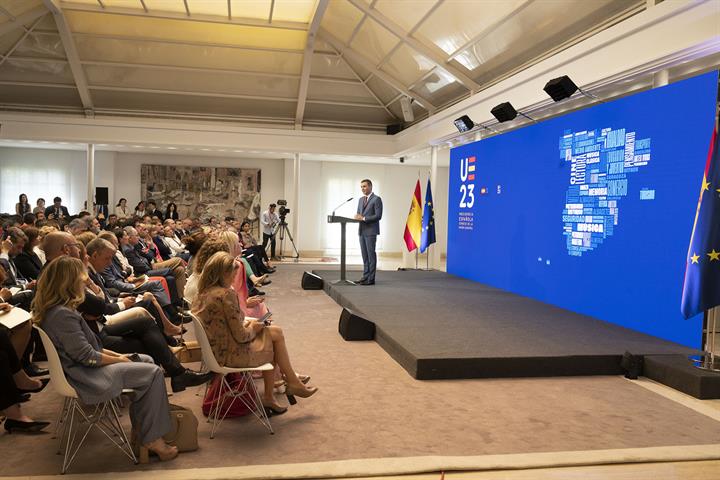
x,y
467,174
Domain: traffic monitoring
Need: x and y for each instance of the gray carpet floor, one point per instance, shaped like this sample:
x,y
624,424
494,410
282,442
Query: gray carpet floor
x,y
369,407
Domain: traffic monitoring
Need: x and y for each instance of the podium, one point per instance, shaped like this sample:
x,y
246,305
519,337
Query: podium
x,y
343,221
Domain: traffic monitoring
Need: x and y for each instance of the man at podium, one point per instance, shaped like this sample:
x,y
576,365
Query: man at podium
x,y
369,213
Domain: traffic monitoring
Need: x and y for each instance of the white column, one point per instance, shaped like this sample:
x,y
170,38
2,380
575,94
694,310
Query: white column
x,y
296,202
661,78
90,177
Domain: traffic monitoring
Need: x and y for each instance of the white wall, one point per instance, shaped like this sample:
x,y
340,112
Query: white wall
x,y
324,185
31,170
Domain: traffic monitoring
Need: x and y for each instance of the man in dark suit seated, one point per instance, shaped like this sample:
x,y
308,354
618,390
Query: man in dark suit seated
x,y
369,212
10,248
137,333
57,210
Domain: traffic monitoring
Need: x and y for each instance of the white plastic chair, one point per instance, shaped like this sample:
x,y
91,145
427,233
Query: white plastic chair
x,y
103,416
217,413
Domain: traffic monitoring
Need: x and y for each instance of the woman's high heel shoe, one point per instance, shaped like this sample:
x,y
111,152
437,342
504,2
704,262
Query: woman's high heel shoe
x,y
291,392
164,451
273,408
43,384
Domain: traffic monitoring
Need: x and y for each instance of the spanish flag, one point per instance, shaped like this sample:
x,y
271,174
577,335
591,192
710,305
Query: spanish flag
x,y
413,226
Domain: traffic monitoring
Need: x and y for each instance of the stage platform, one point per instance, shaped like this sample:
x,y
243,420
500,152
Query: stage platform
x,y
438,326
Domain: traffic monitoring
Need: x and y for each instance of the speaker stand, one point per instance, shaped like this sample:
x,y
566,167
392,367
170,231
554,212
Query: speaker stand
x,y
343,282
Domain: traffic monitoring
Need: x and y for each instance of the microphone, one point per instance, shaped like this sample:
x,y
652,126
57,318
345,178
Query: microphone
x,y
343,203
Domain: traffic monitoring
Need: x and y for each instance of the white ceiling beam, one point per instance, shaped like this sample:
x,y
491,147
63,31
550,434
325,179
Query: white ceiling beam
x,y
190,43
112,88
72,55
434,54
22,20
37,84
491,28
369,65
20,40
320,7
136,12
210,71
364,84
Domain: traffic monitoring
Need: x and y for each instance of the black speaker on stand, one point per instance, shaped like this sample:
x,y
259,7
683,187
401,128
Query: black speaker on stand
x,y
101,196
310,281
354,327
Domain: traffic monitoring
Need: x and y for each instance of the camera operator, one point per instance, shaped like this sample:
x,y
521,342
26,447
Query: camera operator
x,y
269,221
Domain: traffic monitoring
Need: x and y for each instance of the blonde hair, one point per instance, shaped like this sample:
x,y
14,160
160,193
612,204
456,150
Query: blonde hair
x,y
85,237
208,249
213,275
61,283
232,240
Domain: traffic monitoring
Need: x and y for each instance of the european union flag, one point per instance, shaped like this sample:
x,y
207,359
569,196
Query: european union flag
x,y
427,236
701,290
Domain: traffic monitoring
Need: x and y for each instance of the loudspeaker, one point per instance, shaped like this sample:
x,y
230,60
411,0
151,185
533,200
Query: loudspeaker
x,y
393,129
310,281
504,112
632,365
101,196
560,88
463,124
354,327
406,107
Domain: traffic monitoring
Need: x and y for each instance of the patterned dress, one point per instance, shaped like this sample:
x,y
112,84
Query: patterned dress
x,y
232,340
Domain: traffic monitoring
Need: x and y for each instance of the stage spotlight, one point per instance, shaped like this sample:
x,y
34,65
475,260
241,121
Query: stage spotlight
x,y
504,112
560,88
464,124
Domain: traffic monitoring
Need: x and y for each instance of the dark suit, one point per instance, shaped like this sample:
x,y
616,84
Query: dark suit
x,y
63,212
14,277
28,264
368,230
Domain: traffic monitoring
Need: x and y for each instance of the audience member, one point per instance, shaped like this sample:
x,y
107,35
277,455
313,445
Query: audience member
x,y
10,248
237,342
153,211
140,209
27,261
40,206
29,220
171,211
57,211
22,207
15,385
99,374
121,209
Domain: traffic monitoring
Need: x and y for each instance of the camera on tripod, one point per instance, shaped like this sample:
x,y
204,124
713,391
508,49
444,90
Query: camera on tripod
x,y
282,210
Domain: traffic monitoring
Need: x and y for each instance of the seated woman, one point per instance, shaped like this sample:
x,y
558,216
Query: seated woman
x,y
250,243
239,342
98,374
252,306
28,262
15,385
235,249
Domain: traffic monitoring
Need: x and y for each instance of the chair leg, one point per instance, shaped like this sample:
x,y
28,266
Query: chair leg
x,y
259,409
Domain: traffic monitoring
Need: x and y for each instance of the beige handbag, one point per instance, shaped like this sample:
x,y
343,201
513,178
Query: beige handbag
x,y
183,429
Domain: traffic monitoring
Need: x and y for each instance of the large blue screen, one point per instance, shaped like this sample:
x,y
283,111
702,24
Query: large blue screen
x,y
591,211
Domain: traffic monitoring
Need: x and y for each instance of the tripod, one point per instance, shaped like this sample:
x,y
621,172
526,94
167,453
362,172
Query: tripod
x,y
283,229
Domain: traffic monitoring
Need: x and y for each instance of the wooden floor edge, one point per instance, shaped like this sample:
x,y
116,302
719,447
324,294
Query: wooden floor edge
x,y
375,467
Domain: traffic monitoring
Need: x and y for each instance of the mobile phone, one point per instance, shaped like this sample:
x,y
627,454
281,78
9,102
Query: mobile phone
x,y
134,357
266,318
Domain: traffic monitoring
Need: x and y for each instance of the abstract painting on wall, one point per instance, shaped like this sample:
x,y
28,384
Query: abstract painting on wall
x,y
203,192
